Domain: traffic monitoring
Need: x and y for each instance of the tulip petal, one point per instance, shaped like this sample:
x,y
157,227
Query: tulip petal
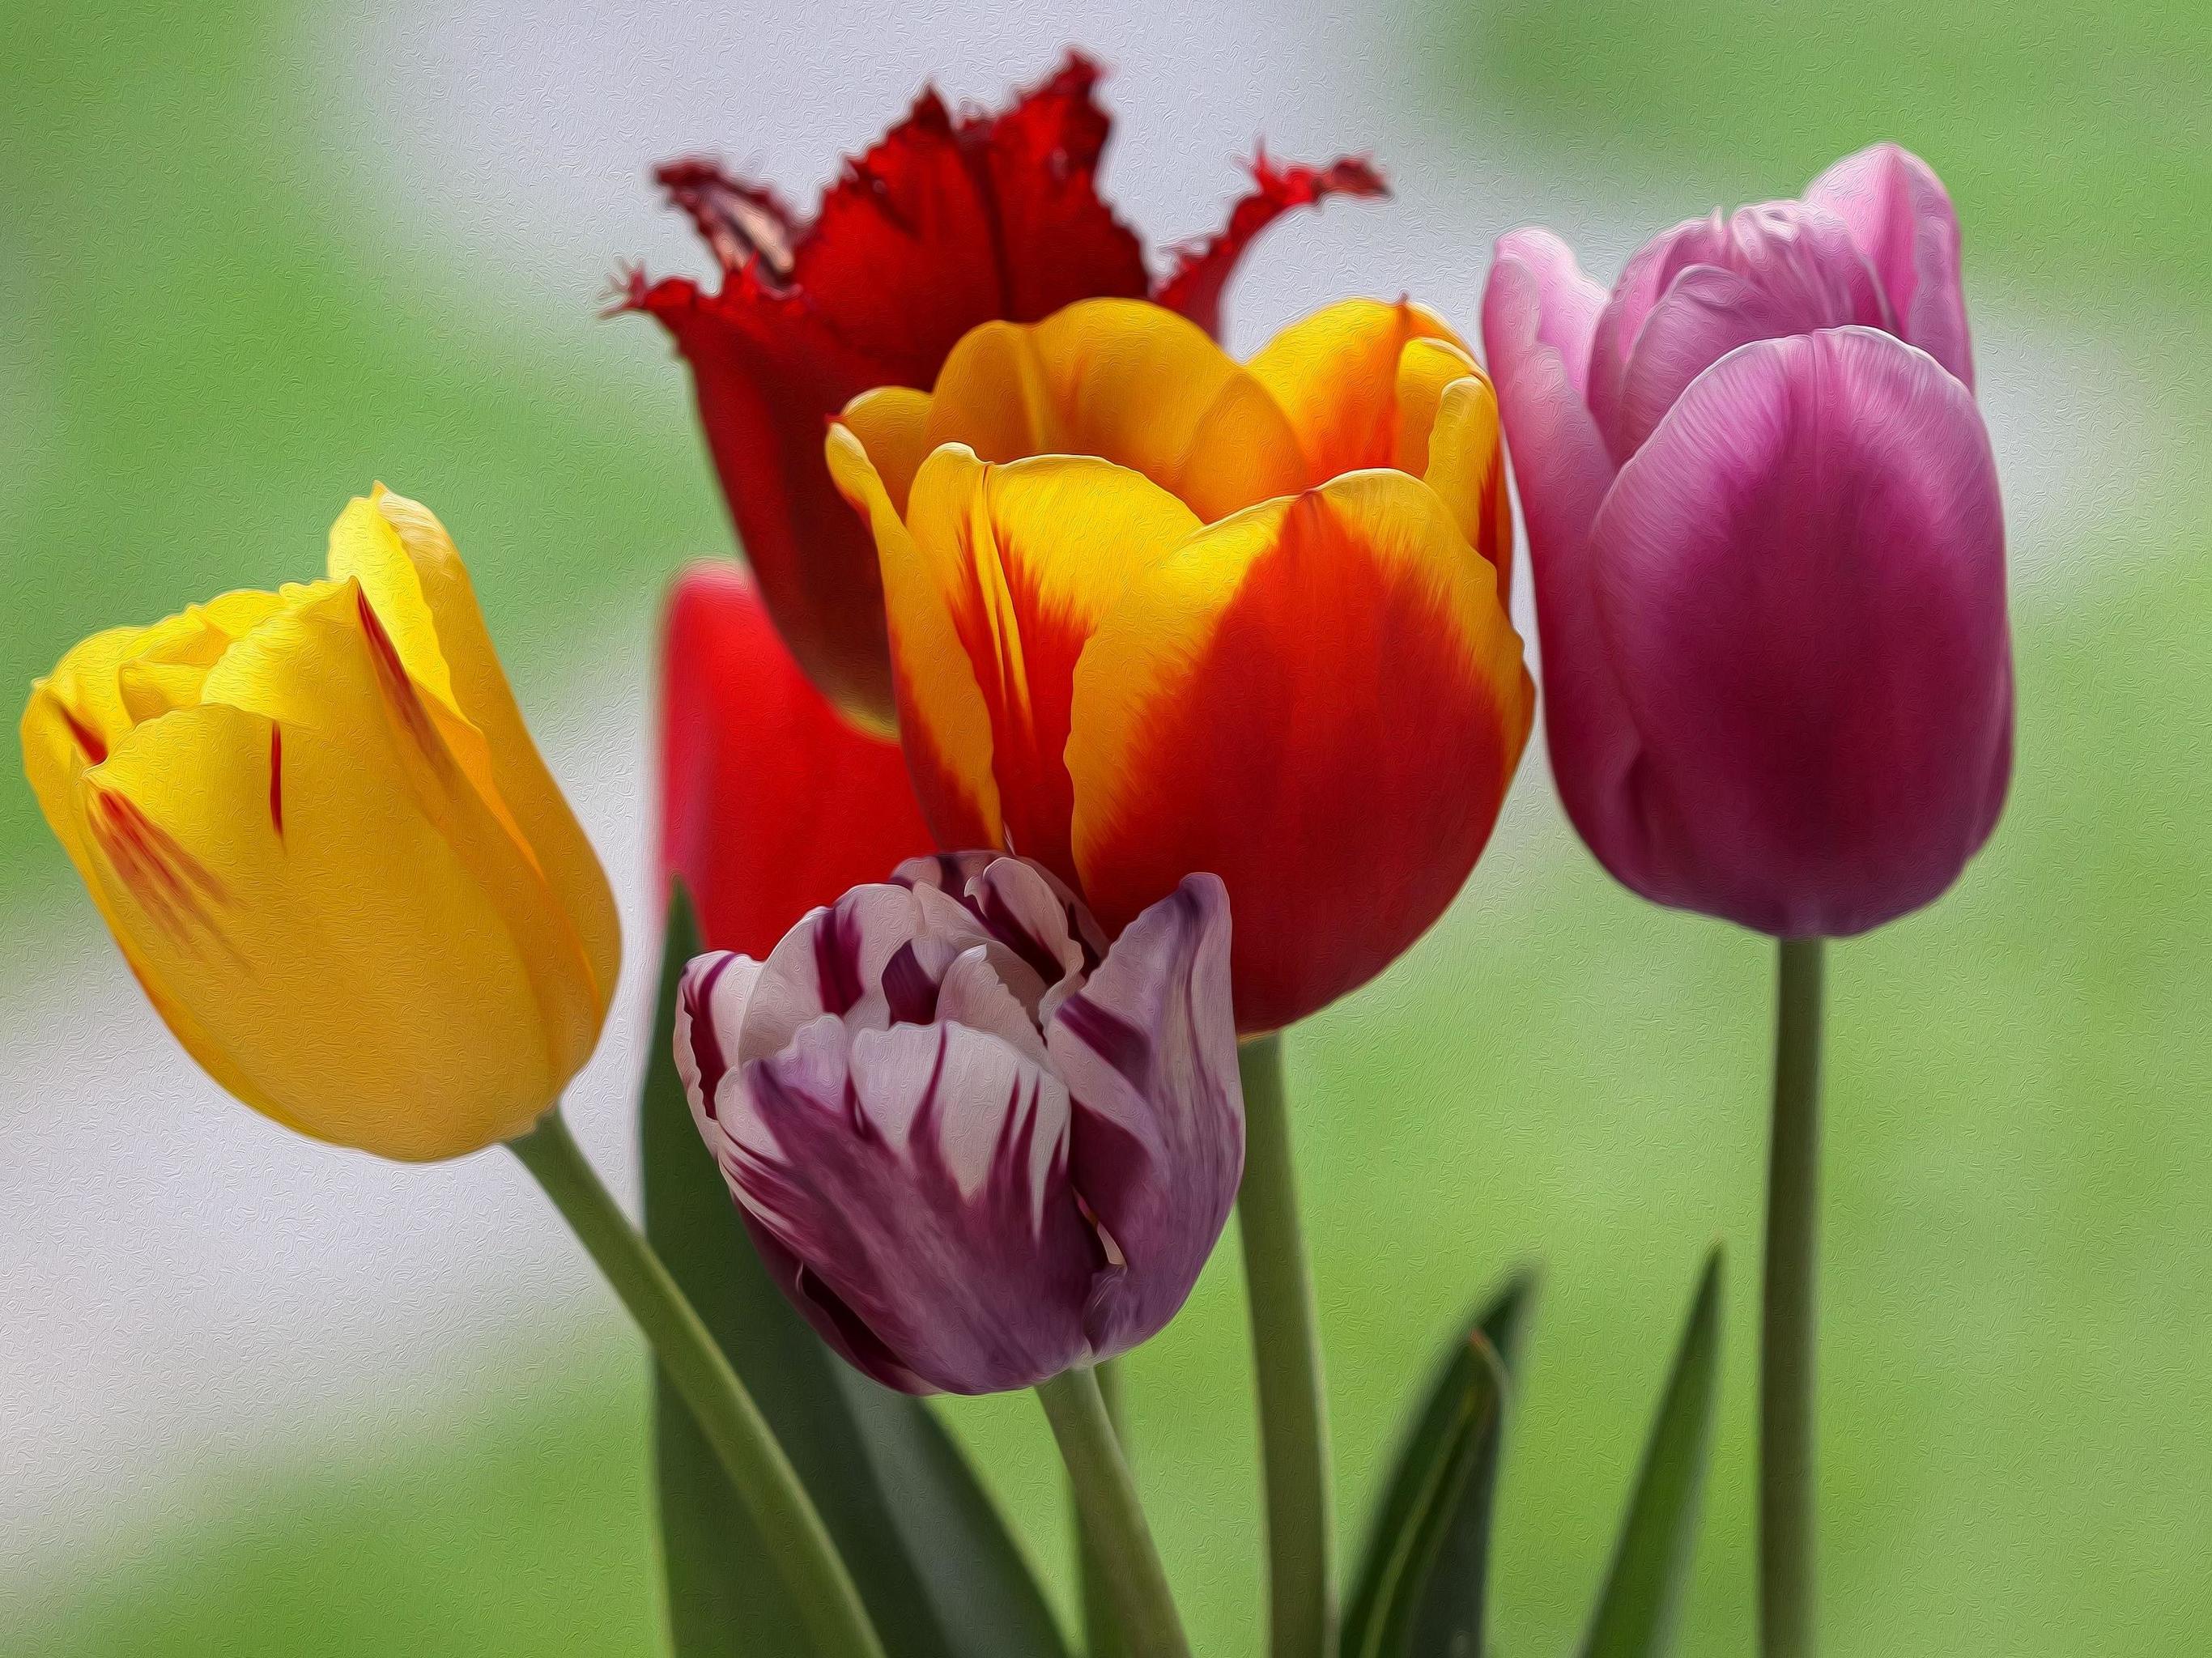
x,y
1902,219
1336,375
1127,381
1448,436
944,723
313,938
1023,560
1801,577
1649,272
1203,268
1537,313
711,1000
1321,701
891,422
1790,270
771,802
832,963
409,566
1148,1051
328,663
923,1177
1022,906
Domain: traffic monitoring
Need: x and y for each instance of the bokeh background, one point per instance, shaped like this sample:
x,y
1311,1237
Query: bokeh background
x,y
261,1397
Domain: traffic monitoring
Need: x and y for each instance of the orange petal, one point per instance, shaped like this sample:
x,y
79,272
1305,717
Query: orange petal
x,y
890,422
1335,375
1321,701
1023,560
1448,435
944,725
1128,382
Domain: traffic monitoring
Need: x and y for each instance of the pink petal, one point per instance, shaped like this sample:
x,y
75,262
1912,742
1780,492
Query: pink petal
x,y
1901,217
1148,1048
1781,268
1801,581
1537,310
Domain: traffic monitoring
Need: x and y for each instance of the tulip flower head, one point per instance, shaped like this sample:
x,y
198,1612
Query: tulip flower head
x,y
1769,551
1154,610
323,838
947,222
975,1145
772,802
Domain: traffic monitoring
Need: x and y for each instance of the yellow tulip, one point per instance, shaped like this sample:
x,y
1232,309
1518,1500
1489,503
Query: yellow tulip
x,y
322,836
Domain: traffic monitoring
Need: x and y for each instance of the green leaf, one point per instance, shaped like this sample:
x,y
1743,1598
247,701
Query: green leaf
x,y
1423,1580
1635,1610
940,1574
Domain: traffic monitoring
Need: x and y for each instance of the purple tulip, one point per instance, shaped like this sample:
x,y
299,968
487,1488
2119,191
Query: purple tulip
x,y
1768,549
976,1145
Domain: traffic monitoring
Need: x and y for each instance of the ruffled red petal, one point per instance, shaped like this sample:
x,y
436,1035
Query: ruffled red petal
x,y
1203,267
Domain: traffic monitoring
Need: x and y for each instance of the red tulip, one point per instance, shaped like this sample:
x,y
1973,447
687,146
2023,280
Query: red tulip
x,y
945,223
771,803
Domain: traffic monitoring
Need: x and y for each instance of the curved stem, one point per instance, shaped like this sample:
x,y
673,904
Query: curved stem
x,y
1302,1607
1787,1324
820,1586
1102,1628
1120,1543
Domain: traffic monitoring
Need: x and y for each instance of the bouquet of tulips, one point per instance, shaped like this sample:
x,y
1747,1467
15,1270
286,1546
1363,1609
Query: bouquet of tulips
x,y
1096,707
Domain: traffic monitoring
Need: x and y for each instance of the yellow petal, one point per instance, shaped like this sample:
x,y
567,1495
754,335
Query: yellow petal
x,y
1335,375
1127,381
313,939
415,579
1464,462
1024,559
327,665
1320,700
890,423
943,724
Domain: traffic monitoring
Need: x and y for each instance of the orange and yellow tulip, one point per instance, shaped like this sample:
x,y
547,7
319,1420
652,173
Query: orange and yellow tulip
x,y
1152,611
319,830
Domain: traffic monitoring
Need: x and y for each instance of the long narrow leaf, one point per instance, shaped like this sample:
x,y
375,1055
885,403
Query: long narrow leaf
x,y
941,1577
1637,1609
1422,1580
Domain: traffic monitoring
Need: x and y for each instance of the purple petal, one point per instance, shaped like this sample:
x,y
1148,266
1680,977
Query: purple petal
x,y
1022,906
833,961
1148,1048
1801,576
1901,217
1563,471
1650,271
710,1011
920,1175
1786,268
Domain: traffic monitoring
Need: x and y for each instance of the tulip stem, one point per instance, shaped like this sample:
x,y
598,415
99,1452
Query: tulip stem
x,y
1286,1365
1102,1628
1787,1328
1119,1542
821,1588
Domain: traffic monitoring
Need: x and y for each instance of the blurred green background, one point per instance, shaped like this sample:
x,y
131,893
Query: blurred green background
x,y
210,341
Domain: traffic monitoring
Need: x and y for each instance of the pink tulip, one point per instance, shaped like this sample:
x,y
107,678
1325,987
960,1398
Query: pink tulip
x,y
976,1145
1768,551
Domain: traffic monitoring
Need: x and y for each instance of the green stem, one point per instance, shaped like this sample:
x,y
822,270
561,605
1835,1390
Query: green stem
x,y
1121,1544
1787,1332
1286,1364
820,1586
1101,1629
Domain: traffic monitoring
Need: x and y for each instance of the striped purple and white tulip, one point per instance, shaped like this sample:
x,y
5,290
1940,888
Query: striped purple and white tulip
x,y
974,1143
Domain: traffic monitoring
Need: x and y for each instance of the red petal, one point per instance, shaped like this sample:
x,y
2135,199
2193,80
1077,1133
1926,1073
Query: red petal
x,y
1203,267
770,802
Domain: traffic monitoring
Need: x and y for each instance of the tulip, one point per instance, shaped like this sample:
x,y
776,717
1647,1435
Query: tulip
x,y
945,223
1153,611
319,830
1769,551
976,1145
772,802
1769,559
